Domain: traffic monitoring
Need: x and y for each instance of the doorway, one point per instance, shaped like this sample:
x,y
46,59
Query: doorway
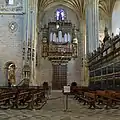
x,y
59,76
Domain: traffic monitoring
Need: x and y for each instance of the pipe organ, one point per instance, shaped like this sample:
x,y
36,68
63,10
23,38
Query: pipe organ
x,y
59,41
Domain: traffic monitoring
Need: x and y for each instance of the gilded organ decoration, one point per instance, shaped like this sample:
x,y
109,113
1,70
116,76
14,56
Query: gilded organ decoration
x,y
59,38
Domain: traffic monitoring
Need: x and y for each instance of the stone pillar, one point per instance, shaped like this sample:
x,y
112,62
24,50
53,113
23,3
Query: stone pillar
x,y
25,28
34,8
82,50
92,24
30,36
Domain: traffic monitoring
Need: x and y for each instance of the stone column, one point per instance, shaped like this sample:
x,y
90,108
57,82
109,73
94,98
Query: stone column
x,y
81,51
34,8
30,36
92,24
25,28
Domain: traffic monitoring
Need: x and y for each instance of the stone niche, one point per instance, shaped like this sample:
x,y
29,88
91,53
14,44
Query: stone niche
x,y
11,38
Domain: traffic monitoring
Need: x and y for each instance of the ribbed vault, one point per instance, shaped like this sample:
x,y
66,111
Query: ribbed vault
x,y
78,6
107,6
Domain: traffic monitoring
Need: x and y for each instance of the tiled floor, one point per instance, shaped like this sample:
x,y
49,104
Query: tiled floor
x,y
54,110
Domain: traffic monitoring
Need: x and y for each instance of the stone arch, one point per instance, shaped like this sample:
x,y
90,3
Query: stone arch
x,y
10,68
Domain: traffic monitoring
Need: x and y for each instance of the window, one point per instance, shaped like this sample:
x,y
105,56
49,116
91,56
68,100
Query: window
x,y
60,14
9,2
117,31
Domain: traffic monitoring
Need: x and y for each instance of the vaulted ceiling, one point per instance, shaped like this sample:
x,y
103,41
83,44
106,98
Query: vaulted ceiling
x,y
107,6
77,5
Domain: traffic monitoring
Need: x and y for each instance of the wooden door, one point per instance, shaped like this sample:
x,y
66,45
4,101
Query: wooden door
x,y
59,76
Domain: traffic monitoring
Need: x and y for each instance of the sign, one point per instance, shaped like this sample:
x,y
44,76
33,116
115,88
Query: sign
x,y
66,89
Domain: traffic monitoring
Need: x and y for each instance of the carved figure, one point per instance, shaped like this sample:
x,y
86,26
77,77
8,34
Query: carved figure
x,y
11,74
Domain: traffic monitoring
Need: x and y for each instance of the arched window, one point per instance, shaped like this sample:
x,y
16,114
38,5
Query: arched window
x,y
9,2
60,14
117,31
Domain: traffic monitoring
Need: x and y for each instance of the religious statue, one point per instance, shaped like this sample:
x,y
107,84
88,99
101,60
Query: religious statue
x,y
11,75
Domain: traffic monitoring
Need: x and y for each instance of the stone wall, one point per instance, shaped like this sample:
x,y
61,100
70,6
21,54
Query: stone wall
x,y
11,44
11,38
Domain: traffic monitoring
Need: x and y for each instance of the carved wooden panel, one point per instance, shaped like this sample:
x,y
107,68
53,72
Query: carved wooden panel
x,y
59,76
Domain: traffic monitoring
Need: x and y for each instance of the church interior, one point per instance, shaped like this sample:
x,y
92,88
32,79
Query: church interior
x,y
60,54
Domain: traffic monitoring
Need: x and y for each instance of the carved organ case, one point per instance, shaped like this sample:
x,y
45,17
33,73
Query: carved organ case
x,y
59,38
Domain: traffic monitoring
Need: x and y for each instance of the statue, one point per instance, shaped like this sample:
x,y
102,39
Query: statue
x,y
106,32
11,75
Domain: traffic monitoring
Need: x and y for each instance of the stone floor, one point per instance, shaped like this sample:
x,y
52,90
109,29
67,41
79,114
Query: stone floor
x,y
54,110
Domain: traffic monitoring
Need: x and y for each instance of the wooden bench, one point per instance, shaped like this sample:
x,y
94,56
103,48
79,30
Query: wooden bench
x,y
89,98
36,97
116,98
78,91
105,97
20,97
6,97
